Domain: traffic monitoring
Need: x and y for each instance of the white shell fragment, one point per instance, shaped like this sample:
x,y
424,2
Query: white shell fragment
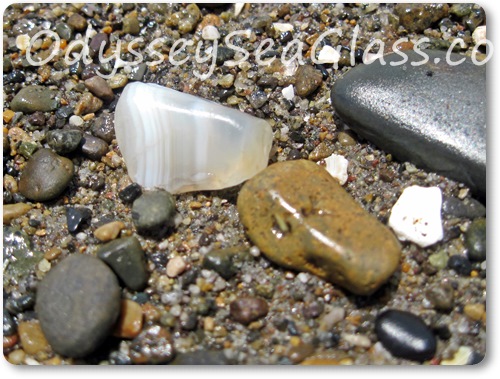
x,y
416,216
182,143
328,55
336,165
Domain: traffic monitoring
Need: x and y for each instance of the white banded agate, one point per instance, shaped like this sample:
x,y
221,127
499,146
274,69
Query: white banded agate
x,y
183,143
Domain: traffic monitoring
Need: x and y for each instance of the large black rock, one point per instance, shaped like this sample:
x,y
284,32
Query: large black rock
x,y
433,115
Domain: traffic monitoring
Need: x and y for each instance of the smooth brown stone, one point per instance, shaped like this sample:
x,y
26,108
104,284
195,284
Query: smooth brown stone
x,y
109,231
129,324
13,211
301,218
32,338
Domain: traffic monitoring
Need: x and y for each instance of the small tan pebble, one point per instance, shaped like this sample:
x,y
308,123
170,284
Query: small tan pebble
x,y
9,341
13,211
23,41
475,311
54,361
151,313
32,338
16,357
300,352
208,324
44,265
110,231
118,81
460,358
176,266
52,253
195,205
8,115
129,324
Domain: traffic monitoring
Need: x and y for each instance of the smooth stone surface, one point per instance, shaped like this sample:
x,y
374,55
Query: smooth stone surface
x,y
32,338
130,193
153,212
126,257
100,88
64,141
45,176
93,147
103,127
417,17
34,98
13,211
405,335
475,240
248,309
183,143
301,218
78,302
469,208
76,216
433,115
307,80
225,262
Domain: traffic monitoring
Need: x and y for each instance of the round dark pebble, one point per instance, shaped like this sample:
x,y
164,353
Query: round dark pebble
x,y
20,304
475,240
460,264
442,331
76,216
64,141
248,309
441,296
152,346
224,261
405,335
37,119
126,257
98,42
9,325
93,147
78,302
130,193
15,76
469,208
153,212
224,54
45,176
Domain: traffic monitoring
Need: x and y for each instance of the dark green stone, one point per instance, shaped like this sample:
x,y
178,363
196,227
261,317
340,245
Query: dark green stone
x,y
153,212
433,115
34,98
225,262
475,240
126,257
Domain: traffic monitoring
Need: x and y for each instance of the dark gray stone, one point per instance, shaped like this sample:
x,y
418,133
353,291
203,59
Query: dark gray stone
x,y
433,115
104,127
76,216
126,257
93,147
225,262
64,141
468,208
45,176
34,98
405,335
77,304
153,212
475,240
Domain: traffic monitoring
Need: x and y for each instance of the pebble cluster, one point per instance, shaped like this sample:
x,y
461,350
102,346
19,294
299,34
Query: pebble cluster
x,y
98,270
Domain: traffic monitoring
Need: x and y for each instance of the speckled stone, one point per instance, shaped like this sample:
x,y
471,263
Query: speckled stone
x,y
248,309
78,302
45,176
93,147
64,141
417,17
126,257
433,115
34,98
301,218
405,335
100,88
103,127
88,104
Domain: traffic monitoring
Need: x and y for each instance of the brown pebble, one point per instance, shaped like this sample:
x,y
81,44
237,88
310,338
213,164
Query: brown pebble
x,y
32,338
298,353
77,22
301,218
129,325
88,104
322,151
345,139
52,253
307,80
475,312
10,341
13,211
10,183
248,309
100,88
109,231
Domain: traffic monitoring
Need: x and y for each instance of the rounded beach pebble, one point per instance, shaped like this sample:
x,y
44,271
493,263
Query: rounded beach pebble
x,y
77,304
